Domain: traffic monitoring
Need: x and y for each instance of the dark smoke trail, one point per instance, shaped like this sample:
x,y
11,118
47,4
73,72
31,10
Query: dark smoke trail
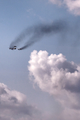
x,y
39,31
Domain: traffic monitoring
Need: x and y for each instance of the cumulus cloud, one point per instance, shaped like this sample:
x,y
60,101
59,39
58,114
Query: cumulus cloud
x,y
57,76
54,72
13,105
72,5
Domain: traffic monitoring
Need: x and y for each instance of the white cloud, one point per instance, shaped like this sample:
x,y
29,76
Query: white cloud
x,y
59,77
13,105
72,5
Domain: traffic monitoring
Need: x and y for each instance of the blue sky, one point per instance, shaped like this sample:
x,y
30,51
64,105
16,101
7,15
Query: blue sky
x,y
20,77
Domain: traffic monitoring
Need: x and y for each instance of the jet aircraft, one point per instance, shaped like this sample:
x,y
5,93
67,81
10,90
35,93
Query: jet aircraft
x,y
13,48
20,49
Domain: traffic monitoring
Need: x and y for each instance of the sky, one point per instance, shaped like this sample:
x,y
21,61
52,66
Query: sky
x,y
41,81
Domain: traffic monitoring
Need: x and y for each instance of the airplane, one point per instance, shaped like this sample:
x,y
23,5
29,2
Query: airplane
x,y
13,48
20,49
